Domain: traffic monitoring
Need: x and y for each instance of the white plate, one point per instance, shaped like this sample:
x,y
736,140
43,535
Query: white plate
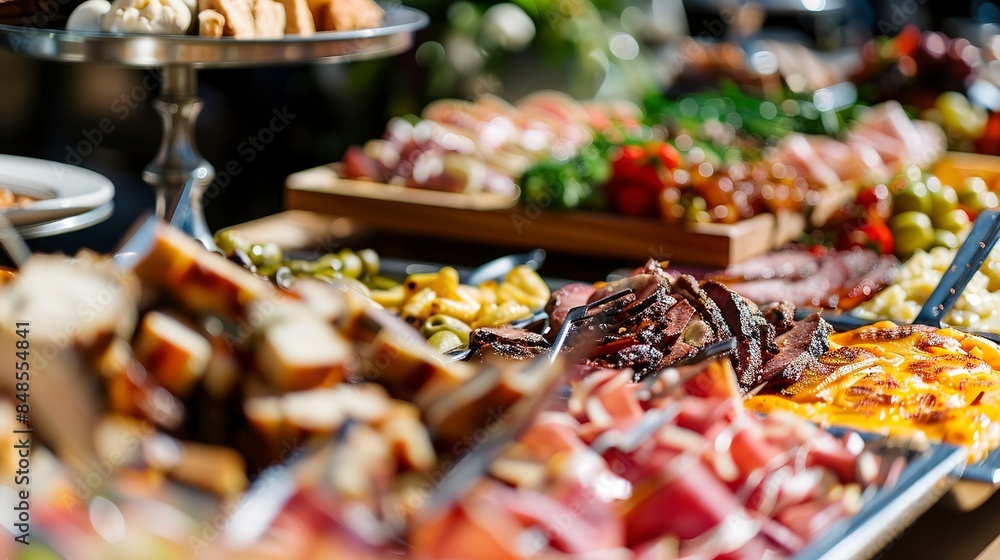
x,y
62,190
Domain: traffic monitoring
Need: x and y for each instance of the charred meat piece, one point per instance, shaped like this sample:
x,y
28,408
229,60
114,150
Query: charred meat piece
x,y
687,287
564,299
641,358
749,327
798,349
677,319
507,342
679,351
780,315
652,316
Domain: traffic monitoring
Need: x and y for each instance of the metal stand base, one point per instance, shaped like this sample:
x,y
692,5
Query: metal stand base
x,y
178,159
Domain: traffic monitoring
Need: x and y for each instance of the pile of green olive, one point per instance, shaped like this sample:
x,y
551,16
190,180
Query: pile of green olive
x,y
928,214
267,260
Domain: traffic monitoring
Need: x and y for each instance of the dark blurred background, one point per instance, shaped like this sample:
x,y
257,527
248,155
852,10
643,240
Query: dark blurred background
x,y
600,48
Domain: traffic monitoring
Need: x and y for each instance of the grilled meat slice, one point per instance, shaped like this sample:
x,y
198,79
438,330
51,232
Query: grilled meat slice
x,y
507,342
677,319
798,349
679,351
564,299
749,327
780,315
820,285
642,358
652,318
687,287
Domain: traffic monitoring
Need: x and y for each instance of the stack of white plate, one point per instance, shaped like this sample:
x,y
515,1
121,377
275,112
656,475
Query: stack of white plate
x,y
67,197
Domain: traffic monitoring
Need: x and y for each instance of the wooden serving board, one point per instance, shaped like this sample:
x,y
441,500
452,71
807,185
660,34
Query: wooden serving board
x,y
494,220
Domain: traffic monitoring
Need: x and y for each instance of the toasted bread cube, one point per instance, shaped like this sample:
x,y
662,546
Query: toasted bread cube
x,y
173,353
301,351
202,281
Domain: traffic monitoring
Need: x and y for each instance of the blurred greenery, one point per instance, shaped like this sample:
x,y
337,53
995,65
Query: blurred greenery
x,y
474,48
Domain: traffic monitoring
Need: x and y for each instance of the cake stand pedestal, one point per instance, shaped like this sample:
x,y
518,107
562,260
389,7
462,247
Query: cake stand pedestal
x,y
178,59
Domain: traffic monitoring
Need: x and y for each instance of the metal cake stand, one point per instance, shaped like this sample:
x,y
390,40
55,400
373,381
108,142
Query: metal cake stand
x,y
179,57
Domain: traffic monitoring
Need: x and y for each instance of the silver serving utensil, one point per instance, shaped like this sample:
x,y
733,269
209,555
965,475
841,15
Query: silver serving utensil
x,y
895,454
578,315
12,243
185,217
137,242
969,257
498,268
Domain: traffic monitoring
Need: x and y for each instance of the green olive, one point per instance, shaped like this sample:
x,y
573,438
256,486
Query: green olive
x,y
445,341
438,323
352,263
328,274
954,221
945,201
268,271
229,240
911,231
267,254
299,266
370,263
977,201
329,260
913,198
944,238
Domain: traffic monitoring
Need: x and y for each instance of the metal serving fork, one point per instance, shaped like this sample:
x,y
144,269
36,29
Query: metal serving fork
x,y
579,315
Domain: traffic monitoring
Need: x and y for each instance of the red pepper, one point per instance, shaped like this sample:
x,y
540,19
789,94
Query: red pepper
x,y
633,198
631,161
871,234
867,197
989,142
669,156
635,186
908,40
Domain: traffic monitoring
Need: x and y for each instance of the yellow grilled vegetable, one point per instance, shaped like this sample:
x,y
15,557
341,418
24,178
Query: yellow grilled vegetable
x,y
439,296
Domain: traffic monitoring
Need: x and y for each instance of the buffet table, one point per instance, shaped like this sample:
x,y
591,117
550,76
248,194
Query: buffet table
x,y
942,532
